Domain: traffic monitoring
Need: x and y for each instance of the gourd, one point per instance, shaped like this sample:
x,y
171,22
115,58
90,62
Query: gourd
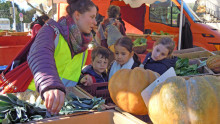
x,y
125,88
213,62
180,101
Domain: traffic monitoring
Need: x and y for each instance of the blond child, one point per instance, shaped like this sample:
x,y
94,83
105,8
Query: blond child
x,y
160,59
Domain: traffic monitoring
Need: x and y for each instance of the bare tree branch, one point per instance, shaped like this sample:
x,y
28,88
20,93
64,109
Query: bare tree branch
x,y
42,12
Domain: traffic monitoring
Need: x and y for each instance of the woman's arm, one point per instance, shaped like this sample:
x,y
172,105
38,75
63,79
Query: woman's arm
x,y
42,64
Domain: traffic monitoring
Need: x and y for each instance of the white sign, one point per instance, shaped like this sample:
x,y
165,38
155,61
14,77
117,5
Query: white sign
x,y
146,93
21,19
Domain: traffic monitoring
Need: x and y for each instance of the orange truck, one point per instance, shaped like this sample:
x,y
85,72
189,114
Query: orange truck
x,y
161,16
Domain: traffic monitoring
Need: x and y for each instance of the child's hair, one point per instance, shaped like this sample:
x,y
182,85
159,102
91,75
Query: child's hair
x,y
167,42
127,43
113,11
99,50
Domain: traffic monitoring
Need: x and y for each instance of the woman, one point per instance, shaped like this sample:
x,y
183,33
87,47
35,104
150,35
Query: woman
x,y
37,24
110,30
58,52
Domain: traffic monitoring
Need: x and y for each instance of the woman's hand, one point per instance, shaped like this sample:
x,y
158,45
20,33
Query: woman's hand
x,y
86,80
54,100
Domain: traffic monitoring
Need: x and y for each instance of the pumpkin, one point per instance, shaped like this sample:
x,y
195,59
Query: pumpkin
x,y
180,101
213,62
125,88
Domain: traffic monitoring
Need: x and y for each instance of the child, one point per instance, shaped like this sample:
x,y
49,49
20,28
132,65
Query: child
x,y
96,72
160,60
124,56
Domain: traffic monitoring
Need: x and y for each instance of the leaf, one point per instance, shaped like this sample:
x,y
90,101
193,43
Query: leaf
x,y
5,99
12,97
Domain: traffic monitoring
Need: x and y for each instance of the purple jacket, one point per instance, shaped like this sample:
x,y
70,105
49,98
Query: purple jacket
x,y
41,59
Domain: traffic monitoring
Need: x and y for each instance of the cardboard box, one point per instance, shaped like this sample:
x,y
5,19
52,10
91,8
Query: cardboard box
x,y
105,117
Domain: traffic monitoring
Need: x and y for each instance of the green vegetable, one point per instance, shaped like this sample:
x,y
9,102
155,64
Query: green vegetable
x,y
155,33
182,68
140,42
14,110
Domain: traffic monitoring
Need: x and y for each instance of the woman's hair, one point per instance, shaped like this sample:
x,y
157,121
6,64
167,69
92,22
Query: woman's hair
x,y
167,42
127,43
113,11
81,6
40,20
99,50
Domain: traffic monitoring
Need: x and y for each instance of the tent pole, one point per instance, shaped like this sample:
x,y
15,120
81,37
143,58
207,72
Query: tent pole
x,y
180,26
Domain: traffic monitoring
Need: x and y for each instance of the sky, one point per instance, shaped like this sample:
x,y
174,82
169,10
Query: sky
x,y
23,5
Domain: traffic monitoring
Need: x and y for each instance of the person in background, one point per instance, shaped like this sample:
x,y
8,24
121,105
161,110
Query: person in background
x,y
99,18
37,24
125,58
97,70
160,59
110,29
59,52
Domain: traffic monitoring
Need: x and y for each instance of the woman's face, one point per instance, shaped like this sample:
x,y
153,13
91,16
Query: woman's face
x,y
86,21
122,55
159,52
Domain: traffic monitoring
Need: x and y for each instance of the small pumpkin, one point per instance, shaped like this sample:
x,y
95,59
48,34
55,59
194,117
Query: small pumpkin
x,y
213,62
177,101
125,89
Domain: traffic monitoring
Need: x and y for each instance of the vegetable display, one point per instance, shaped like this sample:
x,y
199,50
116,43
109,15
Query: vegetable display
x,y
14,110
182,67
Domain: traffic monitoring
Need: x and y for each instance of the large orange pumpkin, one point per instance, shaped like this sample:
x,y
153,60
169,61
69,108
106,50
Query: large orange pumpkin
x,y
177,101
125,89
213,63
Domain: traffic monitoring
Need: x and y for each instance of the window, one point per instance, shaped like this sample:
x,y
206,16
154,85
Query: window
x,y
165,13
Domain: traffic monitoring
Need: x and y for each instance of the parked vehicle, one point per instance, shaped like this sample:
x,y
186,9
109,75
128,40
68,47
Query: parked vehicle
x,y
4,24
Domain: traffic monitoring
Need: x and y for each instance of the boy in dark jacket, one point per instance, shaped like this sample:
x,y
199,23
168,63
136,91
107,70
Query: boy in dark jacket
x,y
97,70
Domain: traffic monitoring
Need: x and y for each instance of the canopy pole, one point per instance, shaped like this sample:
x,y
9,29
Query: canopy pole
x,y
180,26
14,16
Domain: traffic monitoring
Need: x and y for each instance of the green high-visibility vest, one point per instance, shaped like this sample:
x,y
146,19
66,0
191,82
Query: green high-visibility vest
x,y
68,68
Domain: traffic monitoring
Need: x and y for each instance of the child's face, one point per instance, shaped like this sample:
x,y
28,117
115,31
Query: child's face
x,y
159,52
100,64
122,55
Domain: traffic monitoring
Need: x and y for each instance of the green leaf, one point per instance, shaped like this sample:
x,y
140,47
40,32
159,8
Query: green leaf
x,y
5,99
12,97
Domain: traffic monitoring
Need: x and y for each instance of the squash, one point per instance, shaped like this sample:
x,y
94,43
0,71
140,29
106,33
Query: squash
x,y
177,101
125,89
213,62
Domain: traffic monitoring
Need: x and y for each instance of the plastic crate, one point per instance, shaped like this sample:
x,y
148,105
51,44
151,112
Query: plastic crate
x,y
98,90
195,49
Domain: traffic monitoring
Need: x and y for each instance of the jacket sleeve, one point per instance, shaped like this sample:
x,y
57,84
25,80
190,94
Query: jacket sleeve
x,y
42,63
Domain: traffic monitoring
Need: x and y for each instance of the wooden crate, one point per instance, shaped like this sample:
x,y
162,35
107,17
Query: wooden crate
x,y
135,36
157,37
193,55
3,33
18,33
189,50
